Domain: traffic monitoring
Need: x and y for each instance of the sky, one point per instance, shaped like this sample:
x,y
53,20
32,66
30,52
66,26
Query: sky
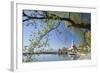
x,y
56,40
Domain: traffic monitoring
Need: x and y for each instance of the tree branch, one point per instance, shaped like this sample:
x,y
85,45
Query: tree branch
x,y
55,17
41,36
49,31
81,25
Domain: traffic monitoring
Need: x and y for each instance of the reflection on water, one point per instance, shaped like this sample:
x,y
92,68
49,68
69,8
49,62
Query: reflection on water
x,y
48,57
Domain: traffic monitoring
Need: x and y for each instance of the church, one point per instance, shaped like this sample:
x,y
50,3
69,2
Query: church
x,y
72,49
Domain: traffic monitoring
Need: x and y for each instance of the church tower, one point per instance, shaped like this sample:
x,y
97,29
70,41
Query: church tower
x,y
72,43
73,46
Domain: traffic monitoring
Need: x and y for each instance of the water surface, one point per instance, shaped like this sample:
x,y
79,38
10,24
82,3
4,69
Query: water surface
x,y
51,57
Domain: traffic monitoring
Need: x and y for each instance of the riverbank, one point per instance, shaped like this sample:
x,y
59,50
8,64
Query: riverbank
x,y
84,56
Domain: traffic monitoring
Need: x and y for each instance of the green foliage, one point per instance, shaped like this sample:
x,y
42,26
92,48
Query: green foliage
x,y
83,48
29,58
49,25
88,38
76,17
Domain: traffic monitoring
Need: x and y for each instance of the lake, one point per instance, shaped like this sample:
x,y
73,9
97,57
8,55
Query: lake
x,y
49,57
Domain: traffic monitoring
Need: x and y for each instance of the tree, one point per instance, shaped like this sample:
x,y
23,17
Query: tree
x,y
47,16
52,21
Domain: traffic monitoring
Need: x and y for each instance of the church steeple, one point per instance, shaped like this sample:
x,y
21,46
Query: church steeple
x,y
73,47
72,43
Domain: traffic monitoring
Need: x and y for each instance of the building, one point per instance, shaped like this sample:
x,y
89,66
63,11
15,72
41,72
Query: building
x,y
72,49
